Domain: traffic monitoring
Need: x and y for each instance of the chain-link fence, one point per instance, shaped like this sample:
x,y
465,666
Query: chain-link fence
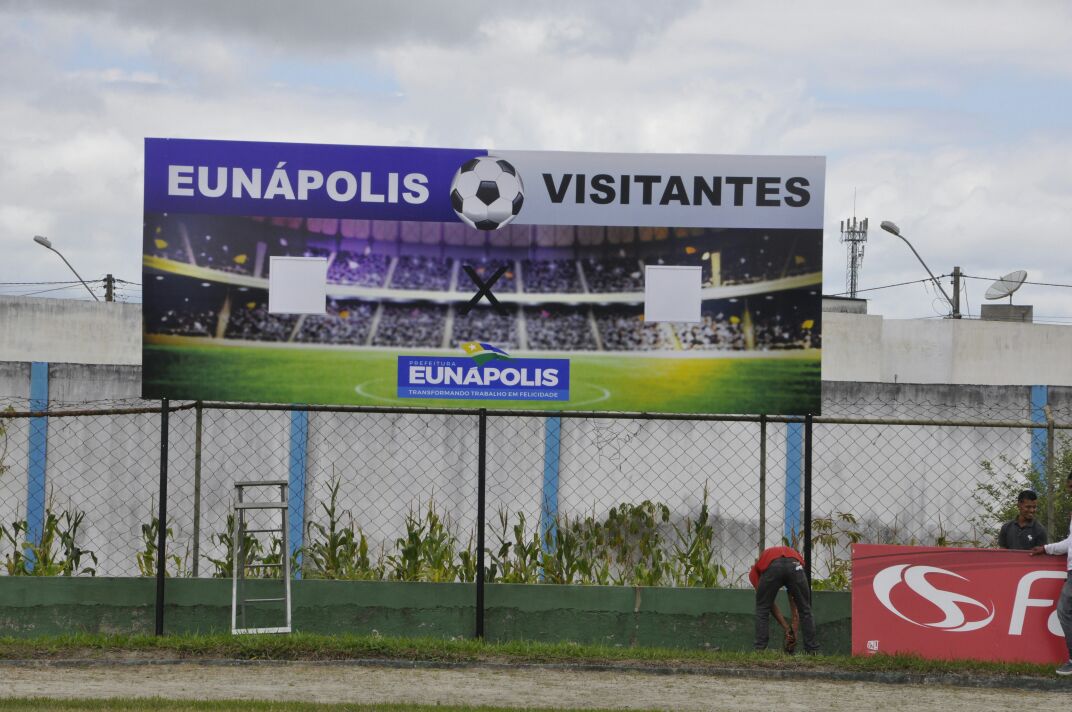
x,y
570,498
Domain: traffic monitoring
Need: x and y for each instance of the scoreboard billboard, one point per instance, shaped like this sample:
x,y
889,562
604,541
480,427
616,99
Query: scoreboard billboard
x,y
369,275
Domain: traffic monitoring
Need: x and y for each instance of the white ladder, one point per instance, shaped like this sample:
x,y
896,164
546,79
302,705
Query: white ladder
x,y
240,565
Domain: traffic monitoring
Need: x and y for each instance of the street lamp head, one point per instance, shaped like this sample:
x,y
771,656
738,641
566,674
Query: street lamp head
x,y
43,241
891,228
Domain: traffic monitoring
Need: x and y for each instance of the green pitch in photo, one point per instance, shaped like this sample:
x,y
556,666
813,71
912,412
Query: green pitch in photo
x,y
775,382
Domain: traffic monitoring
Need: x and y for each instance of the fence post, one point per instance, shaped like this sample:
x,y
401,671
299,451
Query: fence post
x,y
161,535
762,483
807,494
481,481
198,413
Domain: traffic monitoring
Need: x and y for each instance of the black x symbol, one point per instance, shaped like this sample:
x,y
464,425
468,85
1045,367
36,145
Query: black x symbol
x,y
484,291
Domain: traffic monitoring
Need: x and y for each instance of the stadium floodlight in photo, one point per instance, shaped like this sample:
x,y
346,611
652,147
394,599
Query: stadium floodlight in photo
x,y
297,285
463,278
672,294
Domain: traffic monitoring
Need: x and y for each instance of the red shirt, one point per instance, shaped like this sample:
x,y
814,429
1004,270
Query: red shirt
x,y
765,559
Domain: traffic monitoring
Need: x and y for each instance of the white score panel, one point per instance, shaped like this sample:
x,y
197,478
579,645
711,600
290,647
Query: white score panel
x,y
298,285
672,293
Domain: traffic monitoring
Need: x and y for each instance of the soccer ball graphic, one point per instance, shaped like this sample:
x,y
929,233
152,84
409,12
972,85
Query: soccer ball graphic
x,y
487,193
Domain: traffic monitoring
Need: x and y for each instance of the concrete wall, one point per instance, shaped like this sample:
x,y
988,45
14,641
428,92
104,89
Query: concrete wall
x,y
606,615
69,331
856,347
868,348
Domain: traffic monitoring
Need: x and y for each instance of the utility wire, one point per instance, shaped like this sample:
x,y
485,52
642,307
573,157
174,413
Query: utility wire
x,y
1039,284
43,291
887,286
36,284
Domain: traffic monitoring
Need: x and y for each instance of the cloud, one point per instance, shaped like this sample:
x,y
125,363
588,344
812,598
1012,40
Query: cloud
x,y
959,136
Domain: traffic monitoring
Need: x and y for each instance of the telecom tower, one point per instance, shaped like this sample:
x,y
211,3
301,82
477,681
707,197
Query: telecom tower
x,y
855,235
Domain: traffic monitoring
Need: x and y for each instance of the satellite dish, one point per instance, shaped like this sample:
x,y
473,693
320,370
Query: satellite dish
x,y
1005,286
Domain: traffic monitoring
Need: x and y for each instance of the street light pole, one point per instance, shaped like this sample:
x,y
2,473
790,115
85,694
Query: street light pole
x,y
47,244
894,230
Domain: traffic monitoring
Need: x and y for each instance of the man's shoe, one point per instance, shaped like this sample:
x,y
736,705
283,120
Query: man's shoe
x,y
1065,669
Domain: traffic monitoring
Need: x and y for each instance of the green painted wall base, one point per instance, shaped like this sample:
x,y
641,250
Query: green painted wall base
x,y
715,619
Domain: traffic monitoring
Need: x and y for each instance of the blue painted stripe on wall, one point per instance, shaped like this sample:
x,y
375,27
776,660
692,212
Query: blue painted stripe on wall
x,y
549,504
299,454
1040,396
794,467
36,479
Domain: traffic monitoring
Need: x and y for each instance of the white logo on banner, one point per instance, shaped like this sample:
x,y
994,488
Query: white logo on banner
x,y
949,603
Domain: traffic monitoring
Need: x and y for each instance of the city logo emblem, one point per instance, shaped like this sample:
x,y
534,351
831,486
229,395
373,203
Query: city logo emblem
x,y
482,352
487,193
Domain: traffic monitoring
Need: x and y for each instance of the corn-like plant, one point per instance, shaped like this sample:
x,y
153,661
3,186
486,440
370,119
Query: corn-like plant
x,y
336,550
467,565
427,551
518,558
56,553
695,560
251,549
577,552
147,557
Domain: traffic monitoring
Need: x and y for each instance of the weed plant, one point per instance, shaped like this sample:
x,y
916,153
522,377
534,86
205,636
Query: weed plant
x,y
996,498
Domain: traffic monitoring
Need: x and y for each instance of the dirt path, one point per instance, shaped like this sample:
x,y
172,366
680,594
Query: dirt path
x,y
525,687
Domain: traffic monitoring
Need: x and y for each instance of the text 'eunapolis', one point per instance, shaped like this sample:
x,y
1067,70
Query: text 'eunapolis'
x,y
283,183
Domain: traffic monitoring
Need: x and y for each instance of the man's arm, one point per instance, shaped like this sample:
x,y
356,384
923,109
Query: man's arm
x,y
779,617
1055,549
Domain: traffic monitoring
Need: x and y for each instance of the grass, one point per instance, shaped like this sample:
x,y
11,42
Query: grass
x,y
299,647
782,384
162,705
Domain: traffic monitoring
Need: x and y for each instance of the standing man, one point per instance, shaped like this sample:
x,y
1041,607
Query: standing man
x,y
1024,532
778,567
1064,601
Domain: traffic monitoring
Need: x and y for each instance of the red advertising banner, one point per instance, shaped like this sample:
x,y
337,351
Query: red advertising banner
x,y
939,602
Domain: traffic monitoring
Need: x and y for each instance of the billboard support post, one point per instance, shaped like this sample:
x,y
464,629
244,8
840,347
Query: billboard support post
x,y
762,483
807,493
480,487
161,534
198,420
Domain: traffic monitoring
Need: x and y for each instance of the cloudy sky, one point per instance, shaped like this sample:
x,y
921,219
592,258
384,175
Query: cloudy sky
x,y
951,119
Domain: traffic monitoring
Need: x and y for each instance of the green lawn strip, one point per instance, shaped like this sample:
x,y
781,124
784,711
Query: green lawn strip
x,y
161,705
298,647
782,383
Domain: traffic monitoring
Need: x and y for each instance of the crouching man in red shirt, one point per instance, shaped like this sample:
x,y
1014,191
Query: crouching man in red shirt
x,y
777,567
